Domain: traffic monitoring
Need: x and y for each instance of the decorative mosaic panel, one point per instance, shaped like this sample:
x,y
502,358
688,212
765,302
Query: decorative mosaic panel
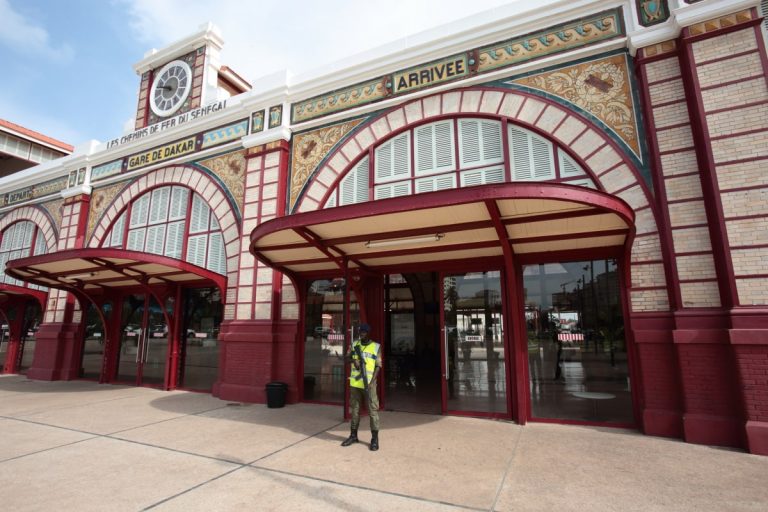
x,y
718,23
106,170
275,116
560,38
600,87
651,12
310,148
360,94
54,210
257,121
225,134
231,169
101,198
602,26
39,190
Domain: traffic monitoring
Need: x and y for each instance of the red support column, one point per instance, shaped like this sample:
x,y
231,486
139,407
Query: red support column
x,y
57,350
257,344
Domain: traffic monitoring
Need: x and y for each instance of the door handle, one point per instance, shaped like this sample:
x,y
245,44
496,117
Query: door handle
x,y
139,344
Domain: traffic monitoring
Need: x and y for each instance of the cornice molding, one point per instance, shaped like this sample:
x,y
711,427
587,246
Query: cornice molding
x,y
685,16
208,34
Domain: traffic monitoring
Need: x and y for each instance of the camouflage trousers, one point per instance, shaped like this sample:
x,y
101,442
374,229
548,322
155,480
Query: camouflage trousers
x,y
356,399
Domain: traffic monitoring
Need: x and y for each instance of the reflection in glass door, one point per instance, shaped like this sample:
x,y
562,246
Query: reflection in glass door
x,y
324,339
203,313
473,336
32,317
143,341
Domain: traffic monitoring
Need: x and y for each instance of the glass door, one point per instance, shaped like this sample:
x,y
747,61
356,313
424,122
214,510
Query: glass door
x,y
474,374
143,341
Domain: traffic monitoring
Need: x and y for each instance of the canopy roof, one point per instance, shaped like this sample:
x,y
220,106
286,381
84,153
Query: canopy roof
x,y
457,224
90,270
8,291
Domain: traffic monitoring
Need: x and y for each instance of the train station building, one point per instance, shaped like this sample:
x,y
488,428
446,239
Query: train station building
x,y
559,215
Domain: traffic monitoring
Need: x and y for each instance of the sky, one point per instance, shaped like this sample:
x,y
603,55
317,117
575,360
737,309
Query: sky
x,y
67,66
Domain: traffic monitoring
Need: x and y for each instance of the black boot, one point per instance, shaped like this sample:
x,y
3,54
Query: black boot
x,y
352,439
374,440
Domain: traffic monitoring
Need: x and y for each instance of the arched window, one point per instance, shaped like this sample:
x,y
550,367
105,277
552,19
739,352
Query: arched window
x,y
453,153
161,221
20,240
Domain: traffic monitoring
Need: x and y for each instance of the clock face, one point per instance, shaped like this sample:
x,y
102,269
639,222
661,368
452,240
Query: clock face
x,y
170,88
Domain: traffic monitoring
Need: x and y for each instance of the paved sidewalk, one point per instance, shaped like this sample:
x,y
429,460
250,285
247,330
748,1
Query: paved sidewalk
x,y
83,446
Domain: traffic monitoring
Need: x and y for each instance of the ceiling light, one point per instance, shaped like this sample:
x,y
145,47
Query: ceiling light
x,y
405,241
79,276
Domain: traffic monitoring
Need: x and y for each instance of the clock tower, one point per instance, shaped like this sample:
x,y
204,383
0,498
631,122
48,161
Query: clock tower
x,y
184,76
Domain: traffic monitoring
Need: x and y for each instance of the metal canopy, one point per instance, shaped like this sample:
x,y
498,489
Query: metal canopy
x,y
9,291
91,270
449,225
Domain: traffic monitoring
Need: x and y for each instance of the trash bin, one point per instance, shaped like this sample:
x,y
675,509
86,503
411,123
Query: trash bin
x,y
276,394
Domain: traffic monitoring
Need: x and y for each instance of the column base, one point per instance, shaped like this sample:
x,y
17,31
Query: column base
x,y
757,437
663,423
713,430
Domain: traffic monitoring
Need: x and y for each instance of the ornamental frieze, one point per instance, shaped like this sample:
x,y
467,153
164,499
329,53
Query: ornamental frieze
x,y
554,40
601,88
310,148
568,36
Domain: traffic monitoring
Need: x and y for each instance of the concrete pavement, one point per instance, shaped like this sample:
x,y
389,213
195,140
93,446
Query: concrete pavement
x,y
84,446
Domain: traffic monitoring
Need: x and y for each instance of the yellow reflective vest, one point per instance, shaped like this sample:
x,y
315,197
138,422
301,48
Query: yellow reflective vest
x,y
370,355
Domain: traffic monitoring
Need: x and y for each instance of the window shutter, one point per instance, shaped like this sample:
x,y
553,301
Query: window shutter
x,y
332,200
402,188
764,12
586,183
158,211
155,239
354,186
217,261
179,201
520,154
393,159
7,238
482,176
433,183
434,148
40,247
200,215
139,211
543,168
568,166
196,248
3,260
174,240
531,156
29,229
118,228
425,149
136,239
480,142
18,235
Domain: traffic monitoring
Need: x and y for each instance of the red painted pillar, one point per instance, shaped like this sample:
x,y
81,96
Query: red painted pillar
x,y
58,347
258,338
